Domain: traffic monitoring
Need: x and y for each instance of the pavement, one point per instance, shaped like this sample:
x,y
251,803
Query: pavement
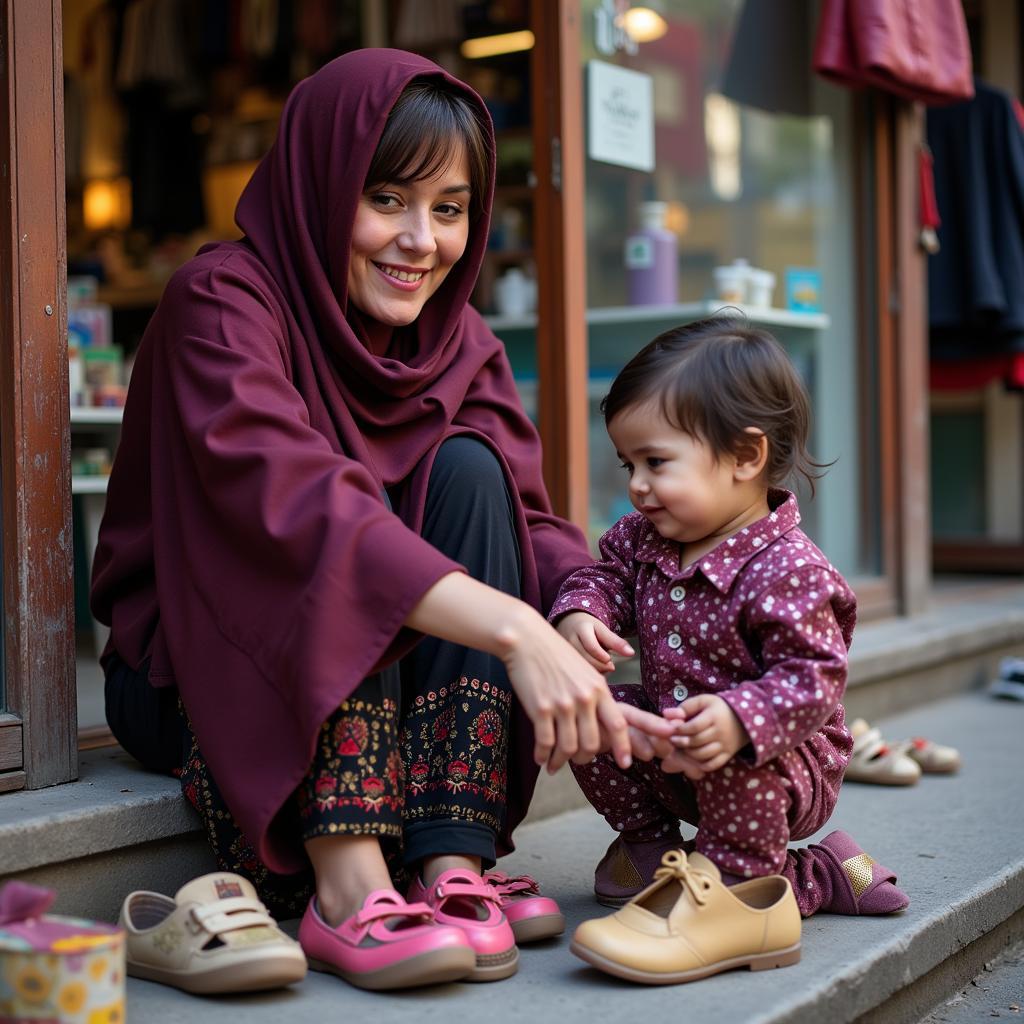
x,y
955,843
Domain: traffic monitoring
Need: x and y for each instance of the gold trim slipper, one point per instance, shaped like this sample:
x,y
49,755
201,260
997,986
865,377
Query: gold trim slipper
x,y
873,760
214,937
687,924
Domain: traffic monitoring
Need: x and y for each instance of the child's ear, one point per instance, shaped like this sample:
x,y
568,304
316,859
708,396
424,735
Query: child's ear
x,y
752,456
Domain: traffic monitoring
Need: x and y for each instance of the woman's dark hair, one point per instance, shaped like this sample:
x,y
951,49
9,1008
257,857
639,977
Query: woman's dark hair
x,y
713,379
419,138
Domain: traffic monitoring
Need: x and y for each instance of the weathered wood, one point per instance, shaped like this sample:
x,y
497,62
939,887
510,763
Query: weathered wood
x,y
10,743
39,662
560,252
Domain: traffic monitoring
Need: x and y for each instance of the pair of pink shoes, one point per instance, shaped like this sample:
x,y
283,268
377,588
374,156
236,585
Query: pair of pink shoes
x,y
464,927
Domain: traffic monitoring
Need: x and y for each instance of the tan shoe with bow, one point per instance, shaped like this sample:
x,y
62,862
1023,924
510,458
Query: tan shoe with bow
x,y
687,925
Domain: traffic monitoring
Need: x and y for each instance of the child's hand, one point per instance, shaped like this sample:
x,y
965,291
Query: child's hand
x,y
707,732
593,639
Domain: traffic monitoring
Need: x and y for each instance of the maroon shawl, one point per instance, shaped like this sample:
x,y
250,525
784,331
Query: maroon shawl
x,y
246,549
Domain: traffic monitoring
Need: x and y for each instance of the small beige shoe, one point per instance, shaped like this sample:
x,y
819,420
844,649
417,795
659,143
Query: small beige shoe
x,y
214,937
687,925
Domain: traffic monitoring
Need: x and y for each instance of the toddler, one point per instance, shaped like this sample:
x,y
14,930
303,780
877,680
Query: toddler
x,y
743,627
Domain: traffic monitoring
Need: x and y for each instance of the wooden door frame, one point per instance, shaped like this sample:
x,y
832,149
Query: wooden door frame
x,y
35,476
560,252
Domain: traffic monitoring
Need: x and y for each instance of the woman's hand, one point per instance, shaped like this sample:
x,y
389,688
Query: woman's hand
x,y
573,713
650,735
572,710
593,639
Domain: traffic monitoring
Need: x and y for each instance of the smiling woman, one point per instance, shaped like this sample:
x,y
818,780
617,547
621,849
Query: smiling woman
x,y
327,531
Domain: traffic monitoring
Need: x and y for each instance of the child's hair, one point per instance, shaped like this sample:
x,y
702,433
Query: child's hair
x,y
713,379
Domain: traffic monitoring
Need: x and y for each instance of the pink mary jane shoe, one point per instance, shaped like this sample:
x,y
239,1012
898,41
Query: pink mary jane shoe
x,y
388,944
532,916
462,898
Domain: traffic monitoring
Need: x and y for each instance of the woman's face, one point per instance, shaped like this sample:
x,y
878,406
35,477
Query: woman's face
x,y
405,240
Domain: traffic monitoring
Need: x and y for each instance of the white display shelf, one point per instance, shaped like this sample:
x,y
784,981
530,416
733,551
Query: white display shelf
x,y
88,416
681,312
687,311
89,484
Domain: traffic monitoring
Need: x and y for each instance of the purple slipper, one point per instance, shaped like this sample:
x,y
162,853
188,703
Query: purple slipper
x,y
860,885
628,867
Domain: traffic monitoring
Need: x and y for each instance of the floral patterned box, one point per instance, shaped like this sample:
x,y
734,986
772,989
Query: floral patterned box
x,y
56,970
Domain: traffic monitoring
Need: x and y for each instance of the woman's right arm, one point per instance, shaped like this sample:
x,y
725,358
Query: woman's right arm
x,y
572,710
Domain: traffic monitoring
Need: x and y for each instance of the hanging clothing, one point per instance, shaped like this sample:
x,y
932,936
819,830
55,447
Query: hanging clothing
x,y
975,298
246,547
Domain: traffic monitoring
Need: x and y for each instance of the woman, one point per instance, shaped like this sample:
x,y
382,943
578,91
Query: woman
x,y
323,460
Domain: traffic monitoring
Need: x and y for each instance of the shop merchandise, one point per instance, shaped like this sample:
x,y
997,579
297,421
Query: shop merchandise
x,y
57,968
213,937
388,944
687,925
465,901
651,259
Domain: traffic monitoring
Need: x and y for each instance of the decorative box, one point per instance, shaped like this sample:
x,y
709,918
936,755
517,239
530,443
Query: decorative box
x,y
56,970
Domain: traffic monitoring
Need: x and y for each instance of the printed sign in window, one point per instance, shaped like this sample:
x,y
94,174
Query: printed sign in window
x,y
620,116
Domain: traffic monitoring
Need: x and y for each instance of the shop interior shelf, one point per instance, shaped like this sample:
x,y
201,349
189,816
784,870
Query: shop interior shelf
x,y
89,484
680,312
693,310
88,416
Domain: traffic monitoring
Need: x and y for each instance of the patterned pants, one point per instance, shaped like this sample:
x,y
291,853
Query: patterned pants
x,y
418,753
745,816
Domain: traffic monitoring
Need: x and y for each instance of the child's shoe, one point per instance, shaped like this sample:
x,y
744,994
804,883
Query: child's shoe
x,y
628,867
1010,684
687,925
860,885
461,898
388,944
532,916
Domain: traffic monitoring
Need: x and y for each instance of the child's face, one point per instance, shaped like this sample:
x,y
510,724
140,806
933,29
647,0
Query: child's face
x,y
676,481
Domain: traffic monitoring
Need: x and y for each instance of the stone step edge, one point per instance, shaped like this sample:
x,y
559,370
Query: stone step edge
x,y
866,985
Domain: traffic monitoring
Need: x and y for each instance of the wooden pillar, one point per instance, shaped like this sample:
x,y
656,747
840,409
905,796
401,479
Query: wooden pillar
x,y
560,253
35,478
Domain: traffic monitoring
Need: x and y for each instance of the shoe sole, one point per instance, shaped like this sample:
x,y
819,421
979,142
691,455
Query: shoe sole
x,y
494,966
252,976
533,929
756,962
431,968
614,901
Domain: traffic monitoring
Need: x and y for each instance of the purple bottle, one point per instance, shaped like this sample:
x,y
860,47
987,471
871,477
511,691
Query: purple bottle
x,y
651,256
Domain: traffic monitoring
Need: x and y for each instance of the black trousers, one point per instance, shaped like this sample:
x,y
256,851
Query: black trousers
x,y
417,754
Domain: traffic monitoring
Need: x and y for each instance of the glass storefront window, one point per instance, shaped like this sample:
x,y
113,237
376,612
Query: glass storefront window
x,y
774,189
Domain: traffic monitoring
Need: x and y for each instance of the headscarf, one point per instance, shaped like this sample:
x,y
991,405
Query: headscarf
x,y
246,548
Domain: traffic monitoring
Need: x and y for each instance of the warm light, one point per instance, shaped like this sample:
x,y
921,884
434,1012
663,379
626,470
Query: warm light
x,y
643,24
493,46
677,218
107,204
723,133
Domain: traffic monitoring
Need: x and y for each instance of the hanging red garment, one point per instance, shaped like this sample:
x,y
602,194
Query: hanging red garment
x,y
917,49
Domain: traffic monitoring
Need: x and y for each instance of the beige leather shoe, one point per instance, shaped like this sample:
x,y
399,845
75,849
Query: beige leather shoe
x,y
687,924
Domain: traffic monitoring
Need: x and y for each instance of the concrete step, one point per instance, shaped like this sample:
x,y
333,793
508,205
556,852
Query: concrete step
x,y
956,843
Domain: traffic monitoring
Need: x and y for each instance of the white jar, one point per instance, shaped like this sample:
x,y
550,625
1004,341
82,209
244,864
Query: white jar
x,y
760,287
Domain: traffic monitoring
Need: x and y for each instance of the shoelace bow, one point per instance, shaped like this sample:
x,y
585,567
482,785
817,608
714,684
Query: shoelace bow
x,y
675,865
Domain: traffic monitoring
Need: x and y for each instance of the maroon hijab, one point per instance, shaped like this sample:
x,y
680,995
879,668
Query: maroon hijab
x,y
246,549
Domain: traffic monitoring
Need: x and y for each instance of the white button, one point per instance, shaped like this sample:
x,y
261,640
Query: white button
x,y
680,693
675,641
677,593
